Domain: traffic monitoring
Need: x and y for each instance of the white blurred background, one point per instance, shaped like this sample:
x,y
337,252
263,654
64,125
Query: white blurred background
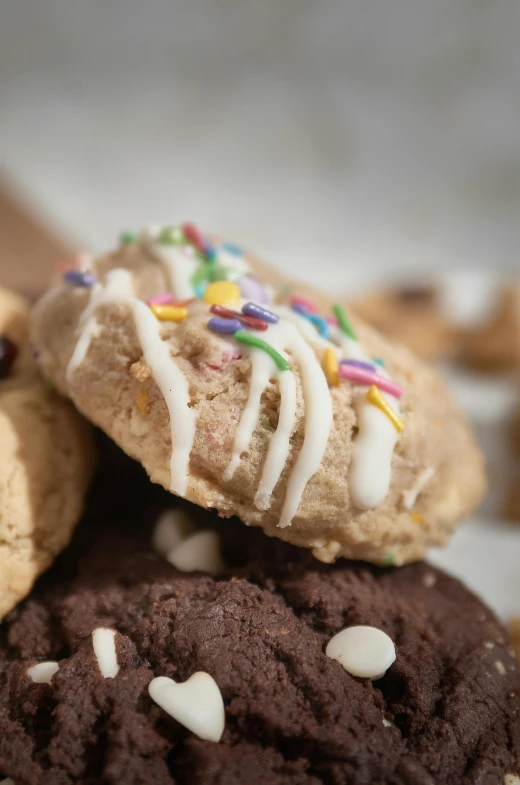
x,y
339,137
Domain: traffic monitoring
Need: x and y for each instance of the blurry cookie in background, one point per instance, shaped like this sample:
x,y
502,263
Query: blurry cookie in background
x,y
412,315
46,461
493,345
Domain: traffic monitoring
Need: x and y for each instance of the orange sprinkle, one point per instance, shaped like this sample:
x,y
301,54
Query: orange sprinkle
x,y
330,367
142,401
376,399
416,517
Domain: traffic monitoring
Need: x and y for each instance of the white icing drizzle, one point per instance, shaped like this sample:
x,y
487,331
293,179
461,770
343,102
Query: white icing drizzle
x,y
117,288
318,418
179,267
410,496
371,466
91,330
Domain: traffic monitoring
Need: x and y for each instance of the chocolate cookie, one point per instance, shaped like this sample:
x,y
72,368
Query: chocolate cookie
x,y
314,428
123,642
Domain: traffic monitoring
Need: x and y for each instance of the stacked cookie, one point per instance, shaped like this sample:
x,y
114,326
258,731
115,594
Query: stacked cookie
x,y
207,651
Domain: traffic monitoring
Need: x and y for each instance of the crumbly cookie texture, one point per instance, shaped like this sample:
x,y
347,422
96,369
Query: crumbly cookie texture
x,y
46,460
413,316
445,712
337,485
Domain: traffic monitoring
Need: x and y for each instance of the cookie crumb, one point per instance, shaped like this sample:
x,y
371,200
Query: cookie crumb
x,y
140,371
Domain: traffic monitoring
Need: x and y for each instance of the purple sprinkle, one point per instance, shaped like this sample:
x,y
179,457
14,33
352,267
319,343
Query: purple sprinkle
x,y
251,289
359,364
220,325
301,309
77,278
251,309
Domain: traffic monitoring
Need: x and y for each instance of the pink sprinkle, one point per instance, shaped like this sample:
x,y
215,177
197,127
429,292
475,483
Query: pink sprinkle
x,y
332,321
361,376
305,303
160,299
194,235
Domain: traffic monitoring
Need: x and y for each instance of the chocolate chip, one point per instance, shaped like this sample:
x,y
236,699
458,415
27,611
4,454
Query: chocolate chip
x,y
8,352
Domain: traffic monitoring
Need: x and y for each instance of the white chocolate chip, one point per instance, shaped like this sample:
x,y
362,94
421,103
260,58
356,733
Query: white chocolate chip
x,y
387,723
201,552
103,641
42,672
363,651
489,644
429,580
511,779
197,703
8,781
171,527
501,668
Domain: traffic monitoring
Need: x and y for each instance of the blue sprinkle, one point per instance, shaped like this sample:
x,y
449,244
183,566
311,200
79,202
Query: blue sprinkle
x,y
232,249
378,361
318,321
199,290
77,278
220,325
211,253
252,309
359,364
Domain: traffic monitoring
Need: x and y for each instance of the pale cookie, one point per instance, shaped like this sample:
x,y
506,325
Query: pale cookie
x,y
46,460
266,432
413,316
494,346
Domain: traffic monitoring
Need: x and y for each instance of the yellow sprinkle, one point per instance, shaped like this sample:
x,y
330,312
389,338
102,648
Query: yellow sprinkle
x,y
222,293
416,517
330,367
142,401
376,399
169,313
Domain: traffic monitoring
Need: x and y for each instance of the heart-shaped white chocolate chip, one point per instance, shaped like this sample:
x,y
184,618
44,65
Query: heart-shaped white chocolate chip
x,y
42,672
104,643
201,552
363,651
511,779
197,703
171,528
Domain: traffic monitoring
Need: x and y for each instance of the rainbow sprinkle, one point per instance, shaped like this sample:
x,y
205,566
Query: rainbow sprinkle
x,y
161,299
304,302
126,238
330,367
376,399
362,376
169,313
247,321
77,278
257,312
252,340
344,322
221,292
224,324
171,235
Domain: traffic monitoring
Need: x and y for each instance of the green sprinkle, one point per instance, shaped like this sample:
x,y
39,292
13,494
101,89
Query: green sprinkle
x,y
218,273
125,238
251,340
172,235
389,559
344,322
201,275
50,384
